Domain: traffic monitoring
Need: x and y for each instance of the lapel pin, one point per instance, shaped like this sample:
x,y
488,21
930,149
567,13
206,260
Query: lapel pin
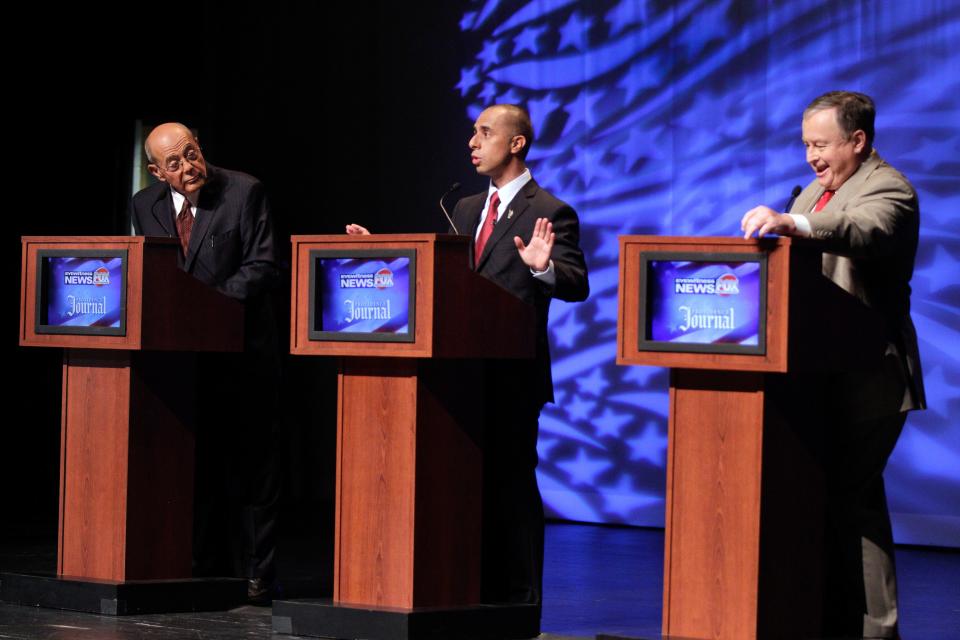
x,y
509,213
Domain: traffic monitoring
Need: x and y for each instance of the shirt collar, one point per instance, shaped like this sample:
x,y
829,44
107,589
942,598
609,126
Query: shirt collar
x,y
508,191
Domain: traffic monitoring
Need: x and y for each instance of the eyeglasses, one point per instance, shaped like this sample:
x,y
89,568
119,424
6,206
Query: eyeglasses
x,y
173,163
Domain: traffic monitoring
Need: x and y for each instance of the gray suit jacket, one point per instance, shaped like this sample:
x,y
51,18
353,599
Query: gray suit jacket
x,y
870,230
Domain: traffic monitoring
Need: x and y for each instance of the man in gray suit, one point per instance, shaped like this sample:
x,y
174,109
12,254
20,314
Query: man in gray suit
x,y
866,216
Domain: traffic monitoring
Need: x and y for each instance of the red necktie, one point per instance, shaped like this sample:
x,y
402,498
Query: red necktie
x,y
185,225
824,199
487,229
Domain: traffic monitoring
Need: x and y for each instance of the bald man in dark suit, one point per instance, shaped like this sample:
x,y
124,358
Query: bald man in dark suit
x,y
222,219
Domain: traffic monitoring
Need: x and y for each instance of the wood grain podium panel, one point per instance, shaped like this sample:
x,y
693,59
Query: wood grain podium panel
x,y
126,467
93,465
376,462
712,547
408,486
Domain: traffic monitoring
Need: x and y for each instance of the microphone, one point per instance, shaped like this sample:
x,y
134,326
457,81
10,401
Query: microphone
x,y
454,187
793,198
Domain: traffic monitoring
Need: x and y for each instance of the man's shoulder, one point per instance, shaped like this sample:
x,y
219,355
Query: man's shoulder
x,y
542,197
231,179
474,200
152,193
887,172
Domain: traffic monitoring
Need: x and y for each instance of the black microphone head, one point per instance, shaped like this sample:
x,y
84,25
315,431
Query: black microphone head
x,y
796,191
455,187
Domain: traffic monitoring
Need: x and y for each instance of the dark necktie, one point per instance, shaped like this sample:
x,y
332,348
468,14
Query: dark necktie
x,y
487,229
184,225
824,199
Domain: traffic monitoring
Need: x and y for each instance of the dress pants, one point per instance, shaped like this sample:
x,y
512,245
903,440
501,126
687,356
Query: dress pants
x,y
860,595
513,521
237,484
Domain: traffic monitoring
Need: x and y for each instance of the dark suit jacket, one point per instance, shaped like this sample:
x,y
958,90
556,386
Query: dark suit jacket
x,y
231,245
501,262
870,230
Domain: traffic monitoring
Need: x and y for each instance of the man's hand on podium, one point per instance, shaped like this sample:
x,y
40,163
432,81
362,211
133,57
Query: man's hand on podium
x,y
357,230
764,220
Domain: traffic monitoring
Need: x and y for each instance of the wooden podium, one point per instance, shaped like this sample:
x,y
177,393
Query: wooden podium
x,y
409,434
127,442
742,557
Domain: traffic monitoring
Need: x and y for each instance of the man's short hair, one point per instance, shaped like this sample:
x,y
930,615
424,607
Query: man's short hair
x,y
854,111
523,125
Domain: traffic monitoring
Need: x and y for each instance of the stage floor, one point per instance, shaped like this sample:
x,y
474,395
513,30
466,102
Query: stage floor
x,y
597,580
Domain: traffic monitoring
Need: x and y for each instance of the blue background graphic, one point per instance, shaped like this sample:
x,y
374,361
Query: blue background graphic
x,y
675,118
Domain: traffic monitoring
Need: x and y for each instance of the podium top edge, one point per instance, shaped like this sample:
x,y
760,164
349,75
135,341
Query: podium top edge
x,y
714,240
382,237
93,239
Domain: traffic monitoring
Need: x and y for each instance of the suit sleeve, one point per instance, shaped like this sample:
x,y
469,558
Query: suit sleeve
x,y
568,261
876,223
258,270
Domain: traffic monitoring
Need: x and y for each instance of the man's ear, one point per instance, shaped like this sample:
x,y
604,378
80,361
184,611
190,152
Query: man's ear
x,y
155,172
859,139
517,144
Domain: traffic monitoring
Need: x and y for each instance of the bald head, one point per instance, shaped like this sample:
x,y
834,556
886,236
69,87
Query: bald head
x,y
163,136
518,119
175,157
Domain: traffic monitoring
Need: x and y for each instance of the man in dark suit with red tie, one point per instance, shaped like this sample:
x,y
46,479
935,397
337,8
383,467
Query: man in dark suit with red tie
x,y
222,219
528,242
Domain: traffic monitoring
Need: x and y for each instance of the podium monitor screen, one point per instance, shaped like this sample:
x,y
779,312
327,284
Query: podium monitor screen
x,y
81,292
363,295
703,302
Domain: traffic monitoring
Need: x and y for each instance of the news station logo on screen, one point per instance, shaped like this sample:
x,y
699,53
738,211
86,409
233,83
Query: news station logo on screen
x,y
364,295
83,292
712,303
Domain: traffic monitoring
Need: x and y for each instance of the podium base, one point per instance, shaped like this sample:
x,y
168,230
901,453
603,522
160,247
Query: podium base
x,y
324,619
109,598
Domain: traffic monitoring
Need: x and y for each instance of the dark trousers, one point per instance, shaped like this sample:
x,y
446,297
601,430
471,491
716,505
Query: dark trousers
x,y
860,594
513,522
237,485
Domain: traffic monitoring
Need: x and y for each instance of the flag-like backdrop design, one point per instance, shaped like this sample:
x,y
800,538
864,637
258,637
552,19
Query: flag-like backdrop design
x,y
675,118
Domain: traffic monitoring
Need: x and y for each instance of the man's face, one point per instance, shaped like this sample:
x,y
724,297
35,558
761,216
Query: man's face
x,y
493,139
833,156
177,159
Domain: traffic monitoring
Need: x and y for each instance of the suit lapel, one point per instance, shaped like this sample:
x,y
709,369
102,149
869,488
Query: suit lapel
x,y
853,184
206,211
163,212
515,209
806,201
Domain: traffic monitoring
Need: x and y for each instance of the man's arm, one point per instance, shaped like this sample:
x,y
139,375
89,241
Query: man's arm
x,y
570,268
258,270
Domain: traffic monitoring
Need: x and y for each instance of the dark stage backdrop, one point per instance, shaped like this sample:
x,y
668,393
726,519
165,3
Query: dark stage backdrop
x,y
653,117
